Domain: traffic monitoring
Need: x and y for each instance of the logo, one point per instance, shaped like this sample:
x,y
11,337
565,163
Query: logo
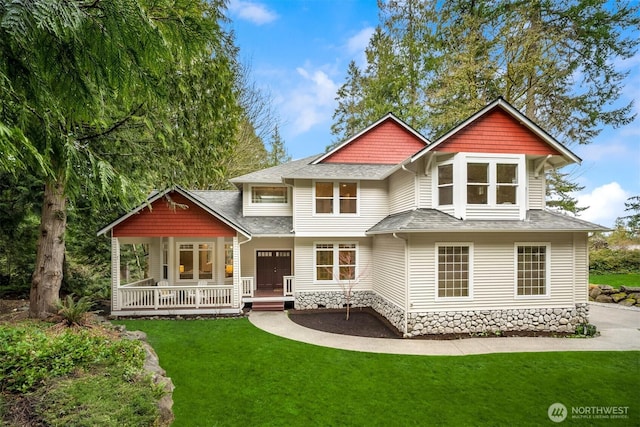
x,y
557,412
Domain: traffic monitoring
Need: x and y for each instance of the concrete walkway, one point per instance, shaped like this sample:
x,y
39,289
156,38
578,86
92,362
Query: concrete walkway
x,y
619,330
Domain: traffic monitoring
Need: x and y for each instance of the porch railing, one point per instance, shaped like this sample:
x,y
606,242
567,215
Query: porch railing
x,y
147,281
172,297
289,285
247,286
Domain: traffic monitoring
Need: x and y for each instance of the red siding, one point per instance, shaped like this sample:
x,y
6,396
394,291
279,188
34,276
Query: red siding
x,y
163,221
497,132
387,144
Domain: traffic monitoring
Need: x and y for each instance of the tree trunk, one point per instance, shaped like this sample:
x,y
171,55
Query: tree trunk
x,y
47,276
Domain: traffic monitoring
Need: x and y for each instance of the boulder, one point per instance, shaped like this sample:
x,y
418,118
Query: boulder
x,y
619,296
595,292
605,287
604,298
627,302
635,296
630,289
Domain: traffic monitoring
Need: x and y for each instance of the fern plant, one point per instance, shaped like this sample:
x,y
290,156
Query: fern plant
x,y
74,312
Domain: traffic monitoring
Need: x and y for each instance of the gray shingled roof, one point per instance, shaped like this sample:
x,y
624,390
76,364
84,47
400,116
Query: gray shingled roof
x,y
229,204
302,169
432,220
273,174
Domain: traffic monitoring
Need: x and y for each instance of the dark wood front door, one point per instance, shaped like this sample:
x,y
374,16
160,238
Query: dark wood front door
x,y
271,266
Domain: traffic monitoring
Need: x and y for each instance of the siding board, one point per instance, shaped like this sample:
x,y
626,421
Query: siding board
x,y
389,265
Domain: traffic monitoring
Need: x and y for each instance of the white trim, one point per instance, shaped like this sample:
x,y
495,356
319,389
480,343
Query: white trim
x,y
547,266
195,250
469,271
267,204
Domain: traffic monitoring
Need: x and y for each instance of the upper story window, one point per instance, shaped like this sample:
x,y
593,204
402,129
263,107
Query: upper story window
x,y
336,198
274,195
445,184
492,183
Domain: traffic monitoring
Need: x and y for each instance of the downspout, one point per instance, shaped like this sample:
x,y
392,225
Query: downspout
x,y
406,281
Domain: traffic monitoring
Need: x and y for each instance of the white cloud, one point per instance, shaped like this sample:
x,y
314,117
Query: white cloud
x,y
357,43
253,12
312,101
606,203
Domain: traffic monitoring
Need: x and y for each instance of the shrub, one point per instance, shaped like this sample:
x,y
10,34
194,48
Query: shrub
x,y
586,329
29,354
74,312
620,261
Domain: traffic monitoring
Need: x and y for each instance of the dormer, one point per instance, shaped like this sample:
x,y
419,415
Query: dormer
x,y
489,166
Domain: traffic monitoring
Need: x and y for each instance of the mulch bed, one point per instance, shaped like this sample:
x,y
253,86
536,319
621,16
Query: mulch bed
x,y
366,322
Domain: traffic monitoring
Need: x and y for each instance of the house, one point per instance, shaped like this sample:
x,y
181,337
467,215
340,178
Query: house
x,y
441,236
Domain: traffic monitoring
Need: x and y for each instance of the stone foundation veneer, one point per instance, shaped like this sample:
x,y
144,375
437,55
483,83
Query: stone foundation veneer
x,y
453,322
481,321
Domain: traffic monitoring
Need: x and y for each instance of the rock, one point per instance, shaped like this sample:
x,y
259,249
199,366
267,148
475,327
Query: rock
x,y
627,302
605,287
630,289
604,298
595,292
635,296
619,296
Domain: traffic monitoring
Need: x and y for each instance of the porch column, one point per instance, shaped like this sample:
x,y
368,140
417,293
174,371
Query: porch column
x,y
115,273
237,284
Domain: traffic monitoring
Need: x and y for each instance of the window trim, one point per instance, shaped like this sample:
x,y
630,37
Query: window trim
x,y
336,198
452,186
274,204
437,246
336,262
547,266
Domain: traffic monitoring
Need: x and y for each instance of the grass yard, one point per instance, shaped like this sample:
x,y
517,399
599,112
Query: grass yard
x,y
615,280
227,372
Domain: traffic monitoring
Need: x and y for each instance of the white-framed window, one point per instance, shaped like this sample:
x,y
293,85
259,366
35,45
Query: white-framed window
x,y
454,263
165,260
494,182
195,261
532,269
336,197
228,260
445,184
274,195
335,262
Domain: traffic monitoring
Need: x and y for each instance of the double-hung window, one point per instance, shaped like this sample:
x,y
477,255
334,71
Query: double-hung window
x,y
492,183
532,269
336,197
335,262
196,261
454,270
445,184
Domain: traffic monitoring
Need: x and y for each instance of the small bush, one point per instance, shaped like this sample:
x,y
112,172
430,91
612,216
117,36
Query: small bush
x,y
586,329
29,354
74,312
605,261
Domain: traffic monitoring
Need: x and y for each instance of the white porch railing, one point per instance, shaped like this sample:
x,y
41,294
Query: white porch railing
x,y
247,286
289,285
172,297
148,281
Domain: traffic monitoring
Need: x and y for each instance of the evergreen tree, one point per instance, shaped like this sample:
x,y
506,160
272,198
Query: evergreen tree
x,y
278,153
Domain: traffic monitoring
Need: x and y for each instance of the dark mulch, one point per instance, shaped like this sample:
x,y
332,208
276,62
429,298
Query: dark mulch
x,y
366,322
363,322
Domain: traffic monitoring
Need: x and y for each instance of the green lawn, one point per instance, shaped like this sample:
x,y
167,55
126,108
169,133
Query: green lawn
x,y
615,280
227,372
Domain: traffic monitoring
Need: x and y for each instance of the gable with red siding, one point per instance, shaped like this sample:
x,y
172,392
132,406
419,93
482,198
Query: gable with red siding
x,y
496,132
162,220
386,144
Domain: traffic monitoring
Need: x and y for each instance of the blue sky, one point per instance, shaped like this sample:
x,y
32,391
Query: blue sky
x,y
298,51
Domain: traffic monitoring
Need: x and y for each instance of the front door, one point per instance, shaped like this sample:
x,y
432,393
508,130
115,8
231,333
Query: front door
x,y
271,266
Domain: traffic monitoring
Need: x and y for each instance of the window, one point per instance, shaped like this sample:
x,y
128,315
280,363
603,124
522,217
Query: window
x,y
532,270
335,261
336,197
196,261
445,184
264,195
477,183
165,261
507,183
228,260
453,271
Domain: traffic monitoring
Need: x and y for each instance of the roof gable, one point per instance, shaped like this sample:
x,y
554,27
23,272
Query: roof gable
x,y
189,218
500,128
389,141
